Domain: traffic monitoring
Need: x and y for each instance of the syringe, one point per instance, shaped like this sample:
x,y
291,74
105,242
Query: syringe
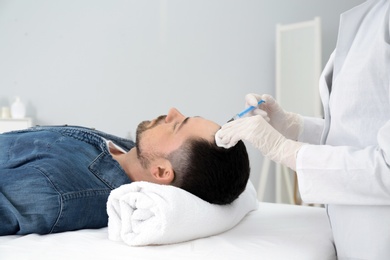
x,y
241,114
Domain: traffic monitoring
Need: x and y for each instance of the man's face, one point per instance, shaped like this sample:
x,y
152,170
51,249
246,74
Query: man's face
x,y
167,133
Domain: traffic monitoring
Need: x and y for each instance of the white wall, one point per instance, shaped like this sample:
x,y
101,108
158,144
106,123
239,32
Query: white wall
x,y
111,64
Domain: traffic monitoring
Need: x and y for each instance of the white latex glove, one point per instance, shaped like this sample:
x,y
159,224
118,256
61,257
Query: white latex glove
x,y
263,136
287,123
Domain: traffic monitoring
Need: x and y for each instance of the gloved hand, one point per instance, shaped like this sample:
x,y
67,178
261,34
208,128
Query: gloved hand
x,y
263,136
287,123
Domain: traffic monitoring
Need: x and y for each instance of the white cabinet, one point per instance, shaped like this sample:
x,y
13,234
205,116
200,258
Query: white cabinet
x,y
14,124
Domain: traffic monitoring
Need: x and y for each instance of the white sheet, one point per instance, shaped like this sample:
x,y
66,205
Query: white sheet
x,y
273,231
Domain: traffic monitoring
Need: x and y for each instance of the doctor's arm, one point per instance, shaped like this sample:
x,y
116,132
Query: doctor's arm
x,y
345,174
263,136
326,174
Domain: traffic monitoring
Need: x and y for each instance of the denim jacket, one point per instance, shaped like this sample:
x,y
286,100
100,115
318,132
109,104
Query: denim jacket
x,y
56,178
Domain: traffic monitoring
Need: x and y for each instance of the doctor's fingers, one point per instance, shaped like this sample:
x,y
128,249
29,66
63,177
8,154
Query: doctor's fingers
x,y
268,99
226,139
252,99
235,125
270,103
260,112
242,127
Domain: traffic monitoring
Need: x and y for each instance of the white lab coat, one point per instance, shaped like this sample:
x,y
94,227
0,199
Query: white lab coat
x,y
350,171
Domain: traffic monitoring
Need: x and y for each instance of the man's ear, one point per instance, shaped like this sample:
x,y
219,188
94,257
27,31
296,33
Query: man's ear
x,y
162,171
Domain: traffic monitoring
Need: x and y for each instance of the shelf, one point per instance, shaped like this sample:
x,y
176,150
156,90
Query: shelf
x,y
14,124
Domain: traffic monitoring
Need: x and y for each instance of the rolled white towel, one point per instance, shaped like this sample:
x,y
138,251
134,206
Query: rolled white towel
x,y
143,213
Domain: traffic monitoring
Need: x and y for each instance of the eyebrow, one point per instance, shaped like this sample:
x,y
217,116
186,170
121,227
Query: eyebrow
x,y
182,123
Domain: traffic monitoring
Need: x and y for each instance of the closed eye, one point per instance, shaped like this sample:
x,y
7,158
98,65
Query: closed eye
x,y
183,123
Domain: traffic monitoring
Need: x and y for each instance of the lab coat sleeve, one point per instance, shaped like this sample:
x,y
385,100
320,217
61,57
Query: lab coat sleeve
x,y
312,130
344,174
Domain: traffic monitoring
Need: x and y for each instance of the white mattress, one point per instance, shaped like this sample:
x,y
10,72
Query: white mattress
x,y
274,231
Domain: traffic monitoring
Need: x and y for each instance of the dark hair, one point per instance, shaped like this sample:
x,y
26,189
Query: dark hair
x,y
214,174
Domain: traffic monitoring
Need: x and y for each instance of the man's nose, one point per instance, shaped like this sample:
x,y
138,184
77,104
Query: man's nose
x,y
174,114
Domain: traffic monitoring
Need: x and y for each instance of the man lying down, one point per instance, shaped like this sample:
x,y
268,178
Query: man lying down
x,y
58,178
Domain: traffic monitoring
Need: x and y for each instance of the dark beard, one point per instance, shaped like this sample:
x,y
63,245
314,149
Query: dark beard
x,y
142,127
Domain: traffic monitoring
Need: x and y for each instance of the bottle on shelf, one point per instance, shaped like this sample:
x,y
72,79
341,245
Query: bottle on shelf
x,y
18,110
